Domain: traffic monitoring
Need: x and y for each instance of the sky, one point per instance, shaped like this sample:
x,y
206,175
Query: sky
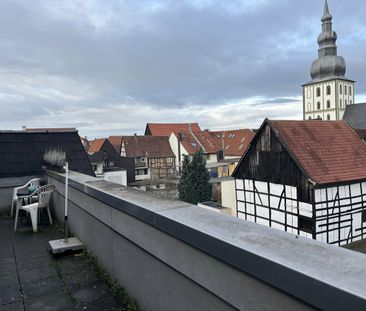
x,y
108,67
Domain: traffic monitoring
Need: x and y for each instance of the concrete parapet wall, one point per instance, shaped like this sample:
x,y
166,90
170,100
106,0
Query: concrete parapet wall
x,y
170,255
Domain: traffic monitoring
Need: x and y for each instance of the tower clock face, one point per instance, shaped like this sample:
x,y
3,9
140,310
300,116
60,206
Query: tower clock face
x,y
308,93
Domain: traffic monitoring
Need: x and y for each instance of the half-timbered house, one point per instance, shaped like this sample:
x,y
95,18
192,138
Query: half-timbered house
x,y
307,178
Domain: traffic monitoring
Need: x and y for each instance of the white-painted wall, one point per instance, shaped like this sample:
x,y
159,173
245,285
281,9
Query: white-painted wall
x,y
266,208
99,168
173,141
211,158
337,222
341,219
228,198
338,99
117,177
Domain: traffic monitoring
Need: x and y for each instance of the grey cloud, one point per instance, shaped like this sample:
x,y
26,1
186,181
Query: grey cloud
x,y
177,55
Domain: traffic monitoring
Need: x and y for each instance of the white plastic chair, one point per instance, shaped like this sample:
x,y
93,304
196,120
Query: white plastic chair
x,y
44,195
34,183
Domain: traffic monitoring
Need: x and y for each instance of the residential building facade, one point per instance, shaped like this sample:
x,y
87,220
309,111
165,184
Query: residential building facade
x,y
307,178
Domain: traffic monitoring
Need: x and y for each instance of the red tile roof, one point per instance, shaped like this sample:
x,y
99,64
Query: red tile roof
x,y
328,151
147,146
188,141
116,141
165,129
235,141
96,144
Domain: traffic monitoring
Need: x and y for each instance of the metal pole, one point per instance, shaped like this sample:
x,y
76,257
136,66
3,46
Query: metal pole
x,y
66,201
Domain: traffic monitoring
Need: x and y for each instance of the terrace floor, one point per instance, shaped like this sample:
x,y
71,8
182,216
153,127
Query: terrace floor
x,y
32,279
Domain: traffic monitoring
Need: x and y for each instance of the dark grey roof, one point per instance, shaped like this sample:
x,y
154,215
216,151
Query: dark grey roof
x,y
21,152
97,157
355,116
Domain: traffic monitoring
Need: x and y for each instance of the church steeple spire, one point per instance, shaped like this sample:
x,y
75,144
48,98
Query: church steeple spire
x,y
328,63
329,92
326,9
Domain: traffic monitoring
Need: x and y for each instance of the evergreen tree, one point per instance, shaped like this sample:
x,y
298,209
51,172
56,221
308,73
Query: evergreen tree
x,y
194,185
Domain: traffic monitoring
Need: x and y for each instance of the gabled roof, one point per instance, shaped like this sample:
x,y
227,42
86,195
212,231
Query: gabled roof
x,y
21,152
355,116
188,141
326,151
235,141
116,141
96,145
147,146
96,157
165,129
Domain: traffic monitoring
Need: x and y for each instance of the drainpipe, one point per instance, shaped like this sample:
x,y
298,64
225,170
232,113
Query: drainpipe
x,y
179,153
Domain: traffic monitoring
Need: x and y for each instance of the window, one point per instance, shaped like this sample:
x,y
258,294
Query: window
x,y
328,103
310,118
350,102
340,103
328,117
319,117
309,93
328,90
306,224
318,105
340,89
318,92
345,102
364,216
350,90
345,90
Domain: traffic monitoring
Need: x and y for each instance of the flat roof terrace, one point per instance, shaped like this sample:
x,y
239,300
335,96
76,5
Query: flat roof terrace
x,y
31,279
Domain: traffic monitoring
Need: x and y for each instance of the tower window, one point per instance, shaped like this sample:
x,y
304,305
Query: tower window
x,y
328,103
318,105
328,90
328,117
318,92
345,90
350,90
340,103
340,89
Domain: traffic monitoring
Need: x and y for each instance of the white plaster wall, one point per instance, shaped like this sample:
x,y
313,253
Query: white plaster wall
x,y
228,198
173,141
280,209
119,177
336,98
343,222
211,158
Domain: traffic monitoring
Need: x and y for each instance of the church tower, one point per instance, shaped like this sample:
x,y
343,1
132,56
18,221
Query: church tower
x,y
329,91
